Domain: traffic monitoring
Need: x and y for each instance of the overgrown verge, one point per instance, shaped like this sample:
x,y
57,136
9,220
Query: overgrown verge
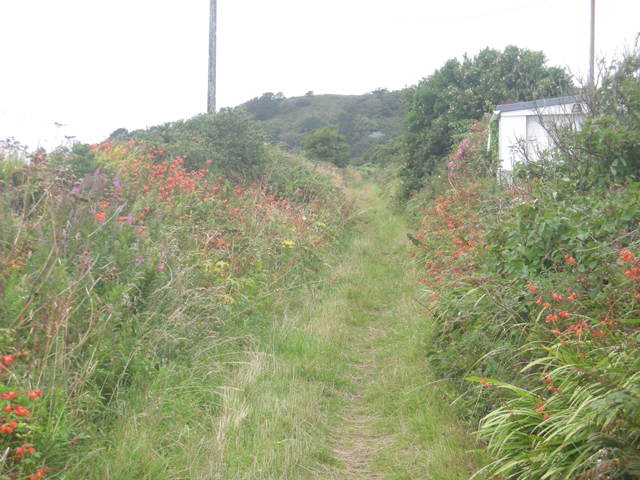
x,y
534,288
117,287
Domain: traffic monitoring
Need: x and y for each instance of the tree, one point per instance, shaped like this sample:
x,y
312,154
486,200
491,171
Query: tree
x,y
80,158
384,154
120,133
264,107
326,145
447,102
607,146
309,94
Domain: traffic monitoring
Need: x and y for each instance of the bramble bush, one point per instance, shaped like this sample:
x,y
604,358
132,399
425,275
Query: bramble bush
x,y
111,279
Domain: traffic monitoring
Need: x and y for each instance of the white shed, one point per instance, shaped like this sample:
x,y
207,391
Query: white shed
x,y
520,126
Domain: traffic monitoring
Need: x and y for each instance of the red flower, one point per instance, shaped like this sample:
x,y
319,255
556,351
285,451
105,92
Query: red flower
x,y
8,395
39,473
33,394
8,359
8,429
626,255
20,411
24,449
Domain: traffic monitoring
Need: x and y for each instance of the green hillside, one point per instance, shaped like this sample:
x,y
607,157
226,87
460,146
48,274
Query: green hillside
x,y
365,120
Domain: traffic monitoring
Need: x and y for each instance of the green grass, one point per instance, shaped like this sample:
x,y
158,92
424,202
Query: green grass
x,y
330,381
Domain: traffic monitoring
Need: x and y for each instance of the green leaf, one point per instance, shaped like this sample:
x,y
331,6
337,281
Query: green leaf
x,y
518,391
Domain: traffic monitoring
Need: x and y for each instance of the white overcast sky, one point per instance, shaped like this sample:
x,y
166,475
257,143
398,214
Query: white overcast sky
x,y
98,66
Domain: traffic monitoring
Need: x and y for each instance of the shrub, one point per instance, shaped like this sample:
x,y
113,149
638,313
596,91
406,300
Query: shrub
x,y
326,145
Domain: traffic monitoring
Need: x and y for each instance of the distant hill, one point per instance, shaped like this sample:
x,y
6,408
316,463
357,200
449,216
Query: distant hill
x,y
365,120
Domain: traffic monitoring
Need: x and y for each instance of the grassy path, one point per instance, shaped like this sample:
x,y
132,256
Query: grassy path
x,y
337,387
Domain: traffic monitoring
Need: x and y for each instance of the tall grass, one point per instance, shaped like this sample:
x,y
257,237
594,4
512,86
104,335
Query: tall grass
x,y
116,289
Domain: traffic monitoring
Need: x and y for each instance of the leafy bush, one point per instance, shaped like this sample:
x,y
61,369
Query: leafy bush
x,y
326,145
228,142
607,147
383,155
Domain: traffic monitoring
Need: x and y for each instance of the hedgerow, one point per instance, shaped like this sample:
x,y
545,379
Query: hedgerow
x,y
534,289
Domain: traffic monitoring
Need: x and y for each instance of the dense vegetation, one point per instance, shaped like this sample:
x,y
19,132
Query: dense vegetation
x,y
326,145
230,142
534,287
449,101
130,271
364,120
126,270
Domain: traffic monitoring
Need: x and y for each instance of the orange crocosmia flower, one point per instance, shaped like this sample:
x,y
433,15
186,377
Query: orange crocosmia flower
x,y
8,395
33,394
20,411
8,428
626,255
532,287
24,449
8,359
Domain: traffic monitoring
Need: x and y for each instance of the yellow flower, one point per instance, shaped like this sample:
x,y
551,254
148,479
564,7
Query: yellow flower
x,y
287,244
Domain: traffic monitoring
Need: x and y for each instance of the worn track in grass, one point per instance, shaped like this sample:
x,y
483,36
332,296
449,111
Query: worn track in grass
x,y
343,389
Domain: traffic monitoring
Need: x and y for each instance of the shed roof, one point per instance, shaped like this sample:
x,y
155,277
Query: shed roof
x,y
544,102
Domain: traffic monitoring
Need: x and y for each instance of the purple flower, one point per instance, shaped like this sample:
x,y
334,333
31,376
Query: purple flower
x,y
139,259
75,190
116,184
160,266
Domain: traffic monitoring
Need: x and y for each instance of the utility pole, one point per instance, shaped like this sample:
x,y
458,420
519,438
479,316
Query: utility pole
x,y
592,68
211,98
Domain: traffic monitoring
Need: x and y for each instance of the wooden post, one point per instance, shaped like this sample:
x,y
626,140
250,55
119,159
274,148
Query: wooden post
x,y
211,98
592,68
